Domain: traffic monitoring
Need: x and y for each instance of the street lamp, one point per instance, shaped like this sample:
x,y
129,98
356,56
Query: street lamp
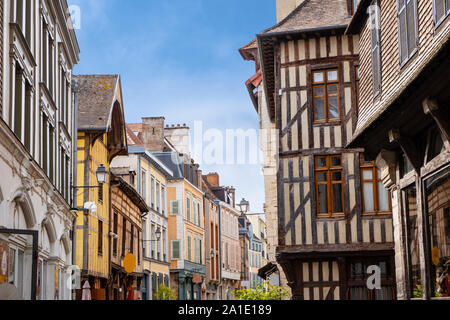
x,y
157,236
244,205
212,254
101,174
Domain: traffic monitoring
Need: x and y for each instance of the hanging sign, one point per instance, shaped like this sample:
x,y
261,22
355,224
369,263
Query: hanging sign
x,y
435,256
129,263
3,262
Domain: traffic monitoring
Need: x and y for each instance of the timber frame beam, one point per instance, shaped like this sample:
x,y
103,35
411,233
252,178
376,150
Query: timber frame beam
x,y
440,115
408,147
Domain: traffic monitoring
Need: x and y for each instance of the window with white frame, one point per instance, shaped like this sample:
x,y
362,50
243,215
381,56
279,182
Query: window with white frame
x,y
175,249
174,207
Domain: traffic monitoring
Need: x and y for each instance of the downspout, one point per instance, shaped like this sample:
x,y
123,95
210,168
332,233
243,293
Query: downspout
x,y
220,246
75,89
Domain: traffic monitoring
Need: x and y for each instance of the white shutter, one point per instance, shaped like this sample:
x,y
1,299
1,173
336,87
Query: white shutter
x,y
174,207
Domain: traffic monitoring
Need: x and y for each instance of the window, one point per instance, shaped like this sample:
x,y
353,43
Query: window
x,y
407,28
441,10
329,186
132,239
354,5
374,12
413,242
376,199
100,238
174,207
357,88
163,205
100,192
199,213
357,280
115,230
158,197
189,248
326,95
175,244
195,212
153,192
144,185
437,189
124,236
188,208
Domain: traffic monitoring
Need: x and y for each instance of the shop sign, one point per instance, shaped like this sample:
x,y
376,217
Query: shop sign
x,y
4,249
435,256
197,278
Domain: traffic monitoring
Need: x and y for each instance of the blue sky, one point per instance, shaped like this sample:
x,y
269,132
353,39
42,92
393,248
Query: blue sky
x,y
179,59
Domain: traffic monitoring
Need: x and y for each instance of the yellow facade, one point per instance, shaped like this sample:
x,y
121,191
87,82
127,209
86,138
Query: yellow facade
x,y
92,153
192,227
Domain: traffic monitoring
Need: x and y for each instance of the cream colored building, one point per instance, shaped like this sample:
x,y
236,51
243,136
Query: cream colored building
x,y
38,52
151,181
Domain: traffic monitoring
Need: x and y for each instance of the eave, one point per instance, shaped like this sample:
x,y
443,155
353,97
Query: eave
x,y
359,18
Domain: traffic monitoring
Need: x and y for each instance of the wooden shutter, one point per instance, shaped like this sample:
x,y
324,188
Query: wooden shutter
x,y
402,30
174,207
175,249
376,54
411,25
439,9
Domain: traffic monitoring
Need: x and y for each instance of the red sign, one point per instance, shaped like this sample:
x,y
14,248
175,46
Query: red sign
x,y
197,278
4,250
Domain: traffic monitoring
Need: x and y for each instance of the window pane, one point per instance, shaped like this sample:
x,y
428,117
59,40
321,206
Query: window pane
x,y
337,198
358,293
336,176
332,75
321,162
333,89
383,197
318,77
369,205
368,174
334,107
319,91
319,103
323,199
439,9
322,177
411,27
336,162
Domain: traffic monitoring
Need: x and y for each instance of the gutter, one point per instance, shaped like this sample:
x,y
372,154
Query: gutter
x,y
74,169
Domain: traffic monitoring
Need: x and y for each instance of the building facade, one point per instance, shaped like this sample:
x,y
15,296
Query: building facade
x,y
255,259
229,236
149,177
101,138
404,126
213,243
127,211
38,52
334,214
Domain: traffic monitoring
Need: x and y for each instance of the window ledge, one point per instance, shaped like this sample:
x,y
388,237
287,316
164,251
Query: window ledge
x,y
404,65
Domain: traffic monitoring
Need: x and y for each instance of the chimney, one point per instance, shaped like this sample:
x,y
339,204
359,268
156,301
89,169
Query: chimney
x,y
233,195
153,133
213,179
285,7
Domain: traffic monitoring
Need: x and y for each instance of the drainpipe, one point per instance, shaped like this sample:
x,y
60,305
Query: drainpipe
x,y
75,89
220,246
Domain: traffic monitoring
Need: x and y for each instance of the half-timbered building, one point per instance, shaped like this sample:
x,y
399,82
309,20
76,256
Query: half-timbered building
x,y
334,214
404,124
